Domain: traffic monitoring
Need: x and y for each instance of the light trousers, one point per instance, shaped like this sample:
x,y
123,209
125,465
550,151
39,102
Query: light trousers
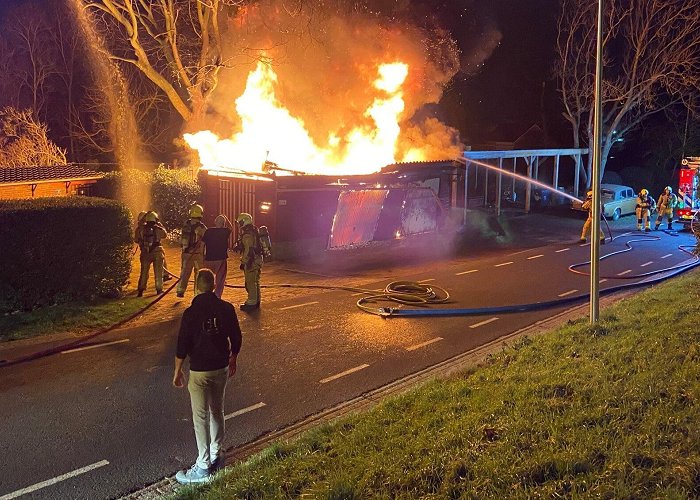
x,y
207,391
219,268
190,261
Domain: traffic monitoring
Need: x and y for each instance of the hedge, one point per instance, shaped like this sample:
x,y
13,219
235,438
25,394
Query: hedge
x,y
58,249
167,191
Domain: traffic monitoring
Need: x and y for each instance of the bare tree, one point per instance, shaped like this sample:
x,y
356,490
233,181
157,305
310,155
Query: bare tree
x,y
34,56
24,141
176,44
651,62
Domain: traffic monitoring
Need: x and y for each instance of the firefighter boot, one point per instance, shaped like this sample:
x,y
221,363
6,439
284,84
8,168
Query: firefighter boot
x,y
656,226
670,227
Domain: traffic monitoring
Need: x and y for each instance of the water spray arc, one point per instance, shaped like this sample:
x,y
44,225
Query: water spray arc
x,y
123,130
519,177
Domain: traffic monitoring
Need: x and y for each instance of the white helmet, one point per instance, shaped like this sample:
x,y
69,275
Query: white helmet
x,y
244,219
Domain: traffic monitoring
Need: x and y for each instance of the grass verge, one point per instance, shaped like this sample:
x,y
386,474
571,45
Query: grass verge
x,y
77,317
609,411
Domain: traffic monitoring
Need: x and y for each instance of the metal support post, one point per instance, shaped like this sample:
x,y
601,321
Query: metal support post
x,y
595,181
499,191
528,187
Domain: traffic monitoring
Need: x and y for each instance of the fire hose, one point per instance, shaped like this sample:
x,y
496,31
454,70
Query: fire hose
x,y
419,295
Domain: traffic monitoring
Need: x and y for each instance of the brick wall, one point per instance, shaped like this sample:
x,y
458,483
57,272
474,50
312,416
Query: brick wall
x,y
42,190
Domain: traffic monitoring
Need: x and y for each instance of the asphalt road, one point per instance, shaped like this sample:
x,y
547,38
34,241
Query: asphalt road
x,y
104,421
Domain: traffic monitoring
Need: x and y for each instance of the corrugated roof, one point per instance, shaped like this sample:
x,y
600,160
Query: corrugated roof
x,y
21,175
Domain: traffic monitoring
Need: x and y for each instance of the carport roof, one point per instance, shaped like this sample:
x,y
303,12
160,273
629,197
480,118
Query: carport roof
x,y
57,173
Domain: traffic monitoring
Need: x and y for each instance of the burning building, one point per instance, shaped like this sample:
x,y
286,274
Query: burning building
x,y
323,138
315,213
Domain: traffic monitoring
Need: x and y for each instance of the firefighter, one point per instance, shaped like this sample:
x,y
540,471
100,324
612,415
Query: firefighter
x,y
251,259
667,202
192,247
148,236
645,205
588,205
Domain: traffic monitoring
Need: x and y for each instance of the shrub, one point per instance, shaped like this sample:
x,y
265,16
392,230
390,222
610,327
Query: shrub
x,y
58,249
169,192
173,192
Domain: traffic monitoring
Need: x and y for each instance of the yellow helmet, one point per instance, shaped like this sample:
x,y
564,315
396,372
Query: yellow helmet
x,y
244,219
196,211
589,194
644,192
150,217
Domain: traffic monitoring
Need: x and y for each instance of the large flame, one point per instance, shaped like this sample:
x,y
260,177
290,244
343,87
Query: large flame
x,y
271,136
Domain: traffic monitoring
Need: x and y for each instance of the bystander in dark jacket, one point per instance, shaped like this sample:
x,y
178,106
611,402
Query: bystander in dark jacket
x,y
211,337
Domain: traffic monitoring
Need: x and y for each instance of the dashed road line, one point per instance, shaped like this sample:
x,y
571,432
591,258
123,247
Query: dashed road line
x,y
667,256
343,374
94,346
647,263
570,292
423,344
242,411
563,250
466,272
535,257
503,264
425,281
57,479
298,305
482,323
624,272
584,244
603,280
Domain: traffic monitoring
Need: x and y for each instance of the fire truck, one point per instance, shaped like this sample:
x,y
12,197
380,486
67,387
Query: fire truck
x,y
688,196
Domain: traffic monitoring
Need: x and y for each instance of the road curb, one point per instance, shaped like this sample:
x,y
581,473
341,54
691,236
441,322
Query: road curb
x,y
368,400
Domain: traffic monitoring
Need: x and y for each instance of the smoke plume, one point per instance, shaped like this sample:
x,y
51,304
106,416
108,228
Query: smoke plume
x,y
326,58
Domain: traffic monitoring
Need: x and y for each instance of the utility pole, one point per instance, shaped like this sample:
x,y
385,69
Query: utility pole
x,y
595,186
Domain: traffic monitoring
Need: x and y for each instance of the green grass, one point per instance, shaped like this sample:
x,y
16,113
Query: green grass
x,y
77,317
581,412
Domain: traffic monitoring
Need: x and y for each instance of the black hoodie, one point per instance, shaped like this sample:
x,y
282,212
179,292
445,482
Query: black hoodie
x,y
209,332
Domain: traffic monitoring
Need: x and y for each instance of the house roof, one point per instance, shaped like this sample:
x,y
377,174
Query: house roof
x,y
56,173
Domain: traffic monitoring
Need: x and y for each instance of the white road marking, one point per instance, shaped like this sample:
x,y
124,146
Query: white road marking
x,y
423,344
570,292
298,305
245,410
482,323
603,280
85,348
518,252
342,374
504,264
647,263
624,272
563,250
667,256
466,272
535,257
584,244
57,479
425,281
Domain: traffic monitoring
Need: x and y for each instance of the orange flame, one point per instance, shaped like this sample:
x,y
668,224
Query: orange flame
x,y
271,135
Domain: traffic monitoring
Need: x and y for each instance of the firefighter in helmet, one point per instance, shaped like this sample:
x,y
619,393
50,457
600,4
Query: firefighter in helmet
x,y
148,236
667,202
251,259
192,247
588,205
645,205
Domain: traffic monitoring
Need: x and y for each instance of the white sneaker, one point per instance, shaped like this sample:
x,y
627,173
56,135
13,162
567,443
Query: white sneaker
x,y
193,475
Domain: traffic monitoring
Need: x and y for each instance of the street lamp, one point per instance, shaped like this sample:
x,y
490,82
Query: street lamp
x,y
595,181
